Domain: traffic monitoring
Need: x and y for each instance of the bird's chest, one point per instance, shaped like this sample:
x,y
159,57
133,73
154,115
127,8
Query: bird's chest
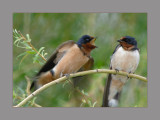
x,y
125,60
72,61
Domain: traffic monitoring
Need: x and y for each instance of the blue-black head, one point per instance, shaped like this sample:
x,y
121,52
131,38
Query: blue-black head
x,y
86,39
128,40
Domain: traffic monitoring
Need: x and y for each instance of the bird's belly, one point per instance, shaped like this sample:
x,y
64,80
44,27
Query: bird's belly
x,y
70,63
126,61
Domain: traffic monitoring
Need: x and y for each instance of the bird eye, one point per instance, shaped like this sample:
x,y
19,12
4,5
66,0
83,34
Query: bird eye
x,y
87,39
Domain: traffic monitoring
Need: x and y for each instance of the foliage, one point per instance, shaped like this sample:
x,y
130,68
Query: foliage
x,y
25,43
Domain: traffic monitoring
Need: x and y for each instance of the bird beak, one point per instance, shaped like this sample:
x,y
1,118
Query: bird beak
x,y
93,40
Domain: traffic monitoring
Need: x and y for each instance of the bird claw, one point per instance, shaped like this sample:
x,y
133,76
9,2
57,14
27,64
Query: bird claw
x,y
116,71
67,76
128,75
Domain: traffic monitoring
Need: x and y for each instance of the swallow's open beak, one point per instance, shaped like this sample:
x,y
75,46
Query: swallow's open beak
x,y
93,41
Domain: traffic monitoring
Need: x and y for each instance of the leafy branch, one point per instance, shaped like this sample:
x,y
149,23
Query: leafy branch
x,y
25,43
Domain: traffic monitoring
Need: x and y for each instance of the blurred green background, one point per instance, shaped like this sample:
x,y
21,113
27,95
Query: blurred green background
x,y
51,29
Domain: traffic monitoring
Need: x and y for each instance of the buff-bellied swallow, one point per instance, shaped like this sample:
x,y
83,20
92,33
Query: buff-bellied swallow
x,y
125,58
68,58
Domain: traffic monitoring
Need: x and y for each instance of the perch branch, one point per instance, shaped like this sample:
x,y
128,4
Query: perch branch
x,y
79,74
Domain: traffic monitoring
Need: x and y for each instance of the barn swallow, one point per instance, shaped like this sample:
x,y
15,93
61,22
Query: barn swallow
x,y
125,58
68,58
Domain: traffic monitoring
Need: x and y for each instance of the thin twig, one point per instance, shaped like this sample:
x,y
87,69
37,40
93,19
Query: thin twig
x,y
36,105
28,85
29,43
29,92
79,74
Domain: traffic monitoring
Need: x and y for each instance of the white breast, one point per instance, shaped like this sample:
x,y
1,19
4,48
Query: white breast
x,y
125,60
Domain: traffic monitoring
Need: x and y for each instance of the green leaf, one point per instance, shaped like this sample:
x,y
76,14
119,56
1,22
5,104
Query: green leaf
x,y
83,100
20,55
35,61
26,45
86,93
35,58
94,104
45,54
41,49
31,52
17,40
16,33
82,91
81,104
28,38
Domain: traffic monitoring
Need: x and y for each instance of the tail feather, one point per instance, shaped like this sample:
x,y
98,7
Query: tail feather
x,y
34,83
114,101
112,92
105,102
117,96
